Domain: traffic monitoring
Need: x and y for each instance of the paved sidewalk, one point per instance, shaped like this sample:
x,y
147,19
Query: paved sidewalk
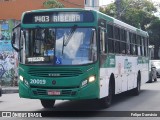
x,y
7,90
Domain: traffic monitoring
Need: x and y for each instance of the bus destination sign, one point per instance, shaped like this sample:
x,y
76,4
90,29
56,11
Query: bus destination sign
x,y
57,17
62,17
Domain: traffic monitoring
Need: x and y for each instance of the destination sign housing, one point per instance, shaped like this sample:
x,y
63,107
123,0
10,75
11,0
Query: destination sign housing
x,y
57,17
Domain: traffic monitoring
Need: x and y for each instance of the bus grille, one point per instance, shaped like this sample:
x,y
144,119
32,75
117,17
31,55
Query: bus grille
x,y
63,92
54,72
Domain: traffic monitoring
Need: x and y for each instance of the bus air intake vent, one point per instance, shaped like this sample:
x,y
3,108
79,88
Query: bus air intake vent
x,y
54,72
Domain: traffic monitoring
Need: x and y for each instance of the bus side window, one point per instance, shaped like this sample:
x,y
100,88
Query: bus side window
x,y
138,45
145,46
117,46
132,43
110,38
102,40
123,41
142,47
117,39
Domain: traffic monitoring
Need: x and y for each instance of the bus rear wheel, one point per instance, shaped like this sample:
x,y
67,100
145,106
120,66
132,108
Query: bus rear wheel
x,y
155,79
106,101
48,103
137,90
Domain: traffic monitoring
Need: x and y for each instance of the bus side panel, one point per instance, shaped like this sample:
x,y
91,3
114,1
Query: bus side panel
x,y
104,82
131,71
125,70
107,67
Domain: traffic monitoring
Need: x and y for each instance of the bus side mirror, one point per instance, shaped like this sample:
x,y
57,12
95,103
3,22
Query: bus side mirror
x,y
16,38
13,38
13,41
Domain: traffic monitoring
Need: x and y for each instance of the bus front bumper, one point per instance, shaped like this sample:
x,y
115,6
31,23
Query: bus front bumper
x,y
90,91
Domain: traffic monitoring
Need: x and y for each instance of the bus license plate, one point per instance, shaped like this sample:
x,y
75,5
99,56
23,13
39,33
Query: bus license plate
x,y
53,92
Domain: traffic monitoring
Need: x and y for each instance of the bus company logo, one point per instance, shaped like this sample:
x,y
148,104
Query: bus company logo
x,y
54,74
53,82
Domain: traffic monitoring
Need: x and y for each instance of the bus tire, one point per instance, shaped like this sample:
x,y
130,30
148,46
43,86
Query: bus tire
x,y
155,79
48,103
106,101
150,80
137,90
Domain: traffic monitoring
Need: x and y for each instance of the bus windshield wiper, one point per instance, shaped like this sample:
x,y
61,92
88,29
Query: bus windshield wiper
x,y
67,39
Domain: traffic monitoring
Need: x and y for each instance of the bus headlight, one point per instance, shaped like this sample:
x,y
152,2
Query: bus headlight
x,y
21,78
91,78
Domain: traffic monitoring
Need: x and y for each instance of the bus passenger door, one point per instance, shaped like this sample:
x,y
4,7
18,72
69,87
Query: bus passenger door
x,y
131,70
104,82
122,83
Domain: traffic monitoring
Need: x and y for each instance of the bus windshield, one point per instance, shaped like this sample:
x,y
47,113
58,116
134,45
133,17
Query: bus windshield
x,y
60,46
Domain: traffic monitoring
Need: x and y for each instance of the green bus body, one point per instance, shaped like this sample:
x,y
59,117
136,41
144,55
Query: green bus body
x,y
71,82
70,87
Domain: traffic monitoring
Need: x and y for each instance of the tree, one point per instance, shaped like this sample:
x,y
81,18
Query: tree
x,y
154,33
109,10
53,4
138,13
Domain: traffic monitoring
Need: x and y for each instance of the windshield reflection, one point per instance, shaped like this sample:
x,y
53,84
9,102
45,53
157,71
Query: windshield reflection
x,y
61,46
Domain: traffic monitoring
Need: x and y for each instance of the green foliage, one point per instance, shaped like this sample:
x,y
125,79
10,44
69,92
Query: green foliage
x,y
154,29
109,10
53,4
154,33
137,13
144,5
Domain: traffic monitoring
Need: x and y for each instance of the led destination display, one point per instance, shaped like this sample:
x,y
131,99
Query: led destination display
x,y
57,17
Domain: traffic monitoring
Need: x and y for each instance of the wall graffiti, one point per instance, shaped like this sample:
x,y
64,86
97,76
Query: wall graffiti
x,y
7,57
4,31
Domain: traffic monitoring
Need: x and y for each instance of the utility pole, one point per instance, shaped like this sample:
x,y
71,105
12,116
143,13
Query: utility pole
x,y
118,6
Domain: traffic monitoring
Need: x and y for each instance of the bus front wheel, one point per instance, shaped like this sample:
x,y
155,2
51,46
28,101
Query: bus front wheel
x,y
106,101
48,103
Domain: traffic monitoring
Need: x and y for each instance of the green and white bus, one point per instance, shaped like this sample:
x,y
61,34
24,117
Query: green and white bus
x,y
73,54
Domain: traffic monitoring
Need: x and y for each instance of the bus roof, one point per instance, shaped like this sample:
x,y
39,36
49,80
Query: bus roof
x,y
56,9
108,18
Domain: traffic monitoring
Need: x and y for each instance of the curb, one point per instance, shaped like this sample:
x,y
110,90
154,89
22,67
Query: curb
x,y
9,90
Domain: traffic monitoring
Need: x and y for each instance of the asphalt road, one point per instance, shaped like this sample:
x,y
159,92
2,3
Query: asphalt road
x,y
148,100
